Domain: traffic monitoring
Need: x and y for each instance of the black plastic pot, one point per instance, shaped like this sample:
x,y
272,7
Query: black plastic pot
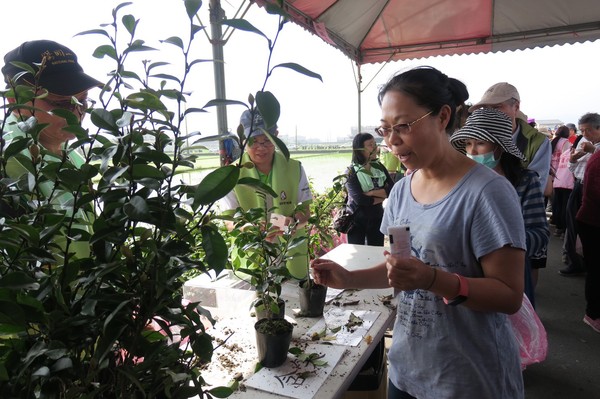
x,y
312,299
261,312
273,338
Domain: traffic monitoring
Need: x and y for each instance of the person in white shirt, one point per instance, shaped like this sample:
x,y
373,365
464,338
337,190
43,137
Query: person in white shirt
x,y
588,125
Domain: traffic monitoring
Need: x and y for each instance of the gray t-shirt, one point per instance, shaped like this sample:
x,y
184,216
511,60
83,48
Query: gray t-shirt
x,y
442,351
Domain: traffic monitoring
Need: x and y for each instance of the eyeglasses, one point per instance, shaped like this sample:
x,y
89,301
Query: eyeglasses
x,y
400,128
69,105
252,143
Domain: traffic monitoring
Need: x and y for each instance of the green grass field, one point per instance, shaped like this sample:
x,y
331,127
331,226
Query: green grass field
x,y
321,167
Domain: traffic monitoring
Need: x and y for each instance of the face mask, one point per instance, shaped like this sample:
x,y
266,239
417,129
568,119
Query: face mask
x,y
485,159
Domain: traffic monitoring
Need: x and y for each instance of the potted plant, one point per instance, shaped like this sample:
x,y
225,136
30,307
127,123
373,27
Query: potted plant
x,y
261,261
322,238
111,323
260,252
108,321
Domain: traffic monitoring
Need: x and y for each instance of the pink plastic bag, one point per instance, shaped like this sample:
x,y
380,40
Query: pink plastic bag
x,y
530,334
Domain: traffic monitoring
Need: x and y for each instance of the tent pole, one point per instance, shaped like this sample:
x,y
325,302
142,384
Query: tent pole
x,y
216,16
359,89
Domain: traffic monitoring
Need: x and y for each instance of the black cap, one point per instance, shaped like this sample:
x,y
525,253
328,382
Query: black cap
x,y
62,73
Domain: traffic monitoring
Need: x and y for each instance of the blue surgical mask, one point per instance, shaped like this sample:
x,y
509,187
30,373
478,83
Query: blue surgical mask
x,y
486,159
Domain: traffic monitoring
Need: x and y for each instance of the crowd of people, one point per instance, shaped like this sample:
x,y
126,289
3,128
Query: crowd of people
x,y
473,193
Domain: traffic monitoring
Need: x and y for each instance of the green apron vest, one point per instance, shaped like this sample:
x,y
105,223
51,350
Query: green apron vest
x,y
534,140
285,176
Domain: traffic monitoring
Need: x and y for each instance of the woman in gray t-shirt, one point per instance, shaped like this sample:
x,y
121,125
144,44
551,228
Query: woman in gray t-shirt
x,y
451,336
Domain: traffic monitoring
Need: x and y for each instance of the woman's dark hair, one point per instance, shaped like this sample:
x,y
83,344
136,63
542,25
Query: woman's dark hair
x,y
431,89
561,132
512,168
358,144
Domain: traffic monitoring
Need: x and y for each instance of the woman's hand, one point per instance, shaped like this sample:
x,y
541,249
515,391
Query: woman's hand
x,y
408,274
588,147
377,193
327,272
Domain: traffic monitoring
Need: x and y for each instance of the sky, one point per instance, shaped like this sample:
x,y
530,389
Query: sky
x,y
559,82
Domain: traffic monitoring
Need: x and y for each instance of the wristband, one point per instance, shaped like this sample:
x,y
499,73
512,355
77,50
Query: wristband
x,y
463,292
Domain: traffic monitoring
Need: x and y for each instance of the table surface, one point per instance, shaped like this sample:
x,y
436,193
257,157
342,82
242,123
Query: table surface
x,y
242,340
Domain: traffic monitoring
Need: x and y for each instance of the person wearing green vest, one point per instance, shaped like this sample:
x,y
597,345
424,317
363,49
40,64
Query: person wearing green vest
x,y
60,84
286,177
389,160
534,145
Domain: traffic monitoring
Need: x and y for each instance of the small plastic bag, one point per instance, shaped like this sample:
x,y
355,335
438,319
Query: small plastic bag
x,y
530,334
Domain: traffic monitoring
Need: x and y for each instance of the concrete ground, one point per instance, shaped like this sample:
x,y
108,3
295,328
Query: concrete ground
x,y
572,368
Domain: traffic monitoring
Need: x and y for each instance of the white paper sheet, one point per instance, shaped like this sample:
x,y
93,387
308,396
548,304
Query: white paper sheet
x,y
296,379
332,293
332,328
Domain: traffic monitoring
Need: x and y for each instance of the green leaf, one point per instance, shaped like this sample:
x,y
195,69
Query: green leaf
x,y
71,178
24,66
89,307
193,110
195,29
125,119
269,107
300,69
94,32
9,329
105,50
131,75
137,209
117,8
276,9
130,23
81,134
295,351
175,248
41,372
104,119
62,364
155,156
18,281
217,102
140,171
138,46
145,101
192,7
216,185
257,184
215,248
242,24
156,65
40,254
12,315
16,146
199,61
166,76
115,312
27,232
221,392
281,145
112,174
175,41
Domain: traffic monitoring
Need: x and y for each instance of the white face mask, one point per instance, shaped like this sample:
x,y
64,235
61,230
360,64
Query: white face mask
x,y
486,159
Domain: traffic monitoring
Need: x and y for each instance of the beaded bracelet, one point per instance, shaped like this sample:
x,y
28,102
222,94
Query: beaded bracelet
x,y
433,279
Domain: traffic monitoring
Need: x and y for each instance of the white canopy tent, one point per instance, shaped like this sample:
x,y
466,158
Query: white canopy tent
x,y
379,31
